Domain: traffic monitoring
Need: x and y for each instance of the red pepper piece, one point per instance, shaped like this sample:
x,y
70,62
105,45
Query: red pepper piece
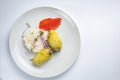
x,y
50,23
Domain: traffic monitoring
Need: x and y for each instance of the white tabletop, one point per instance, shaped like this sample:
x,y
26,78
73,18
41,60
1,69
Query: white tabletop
x,y
99,26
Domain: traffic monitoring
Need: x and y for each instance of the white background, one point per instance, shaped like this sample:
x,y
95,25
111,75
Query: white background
x,y
99,26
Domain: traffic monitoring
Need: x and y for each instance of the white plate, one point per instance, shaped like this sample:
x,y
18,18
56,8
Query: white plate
x,y
60,62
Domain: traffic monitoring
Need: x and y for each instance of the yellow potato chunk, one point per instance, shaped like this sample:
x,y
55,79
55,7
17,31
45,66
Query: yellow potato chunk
x,y
54,40
42,56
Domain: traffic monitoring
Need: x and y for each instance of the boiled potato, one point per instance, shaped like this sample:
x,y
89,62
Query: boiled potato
x,y
42,56
54,40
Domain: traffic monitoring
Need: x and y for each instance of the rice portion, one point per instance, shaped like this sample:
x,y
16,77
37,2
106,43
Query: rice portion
x,y
32,39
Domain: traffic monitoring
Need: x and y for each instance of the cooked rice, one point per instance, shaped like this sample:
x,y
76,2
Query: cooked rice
x,y
33,40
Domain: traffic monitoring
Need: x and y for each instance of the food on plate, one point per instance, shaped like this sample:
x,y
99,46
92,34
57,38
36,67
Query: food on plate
x,y
54,40
50,23
42,56
44,41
